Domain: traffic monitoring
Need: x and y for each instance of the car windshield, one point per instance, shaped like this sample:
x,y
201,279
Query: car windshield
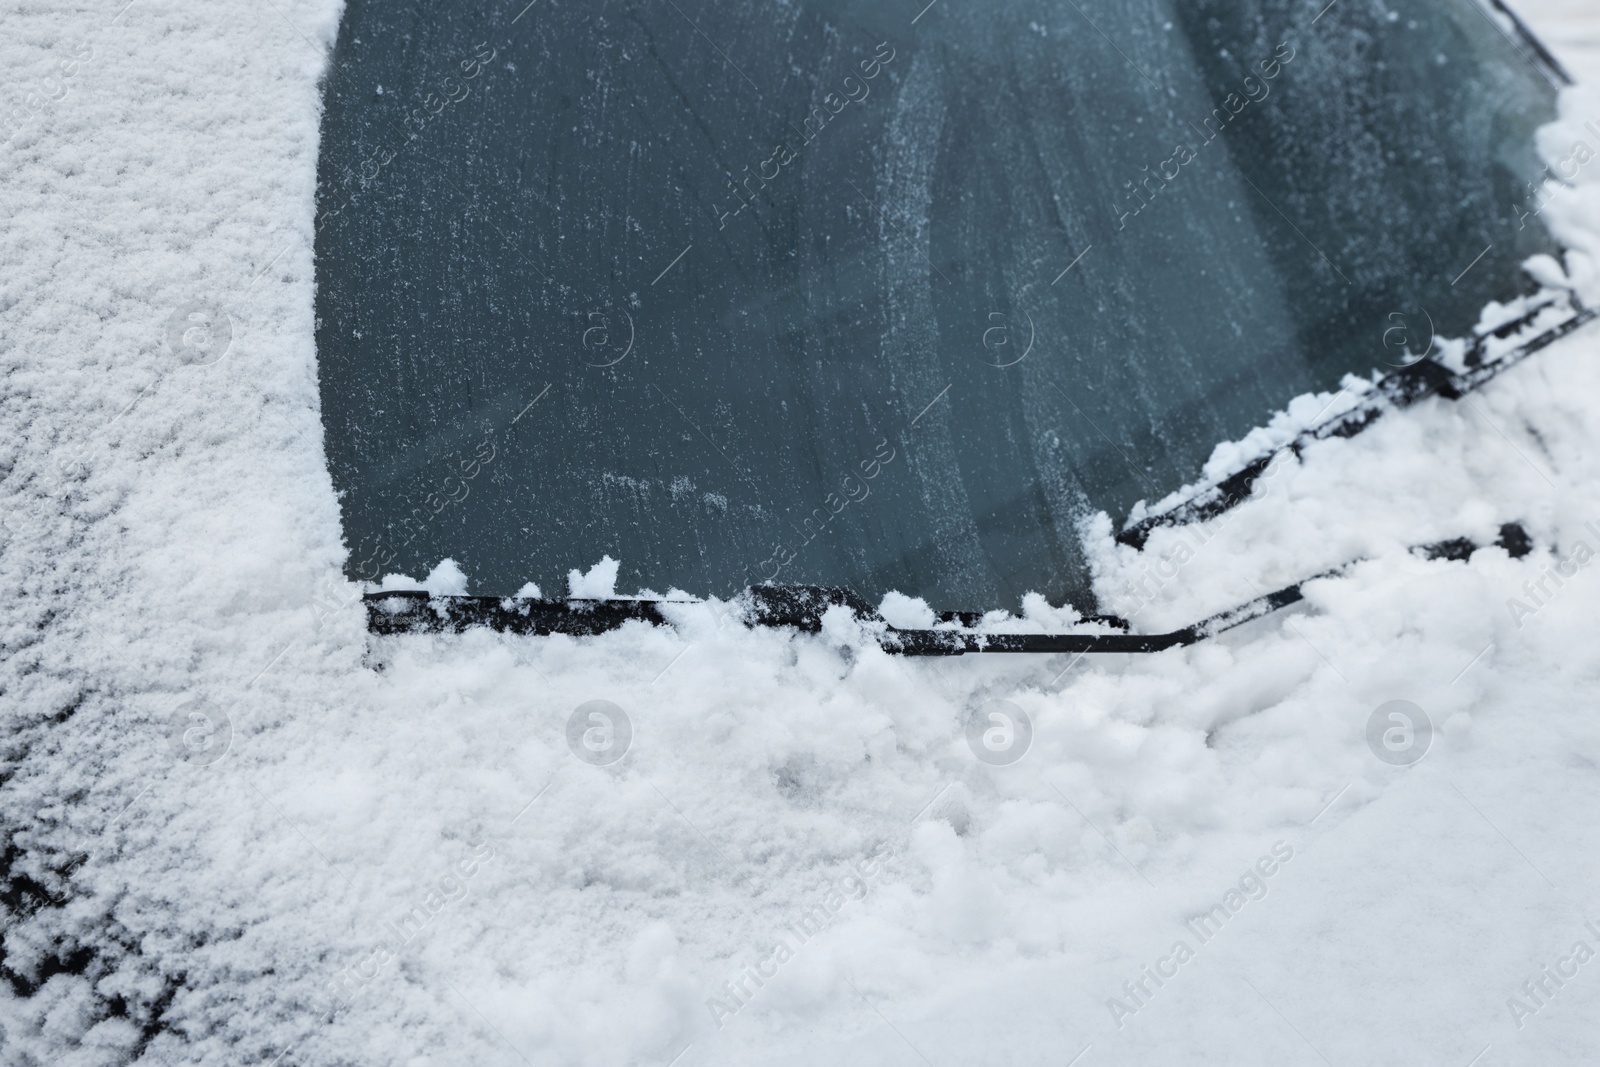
x,y
842,294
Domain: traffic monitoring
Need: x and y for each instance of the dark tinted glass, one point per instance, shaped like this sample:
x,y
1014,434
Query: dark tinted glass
x,y
837,293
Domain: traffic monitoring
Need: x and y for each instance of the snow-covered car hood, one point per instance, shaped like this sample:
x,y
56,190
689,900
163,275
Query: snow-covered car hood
x,y
241,829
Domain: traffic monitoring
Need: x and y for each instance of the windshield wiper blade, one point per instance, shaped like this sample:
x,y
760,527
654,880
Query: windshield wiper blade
x,y
802,608
1405,387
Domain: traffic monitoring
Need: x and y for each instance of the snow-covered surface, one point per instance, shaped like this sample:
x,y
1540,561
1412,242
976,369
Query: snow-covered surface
x,y
270,838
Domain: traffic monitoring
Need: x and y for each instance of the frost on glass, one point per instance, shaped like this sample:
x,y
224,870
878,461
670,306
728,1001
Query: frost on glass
x,y
833,293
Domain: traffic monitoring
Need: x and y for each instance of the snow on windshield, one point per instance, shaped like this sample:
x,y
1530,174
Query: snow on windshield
x,y
240,829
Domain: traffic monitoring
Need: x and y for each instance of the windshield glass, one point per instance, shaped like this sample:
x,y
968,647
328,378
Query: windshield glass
x,y
843,294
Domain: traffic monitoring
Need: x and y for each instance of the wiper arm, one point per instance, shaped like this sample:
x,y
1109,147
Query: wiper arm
x,y
802,607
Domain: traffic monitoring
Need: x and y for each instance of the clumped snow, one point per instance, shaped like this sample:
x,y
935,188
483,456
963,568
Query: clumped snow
x,y
241,830
598,583
907,613
447,579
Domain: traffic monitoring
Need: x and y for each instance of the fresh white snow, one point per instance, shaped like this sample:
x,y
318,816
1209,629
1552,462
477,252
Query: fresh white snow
x,y
291,843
